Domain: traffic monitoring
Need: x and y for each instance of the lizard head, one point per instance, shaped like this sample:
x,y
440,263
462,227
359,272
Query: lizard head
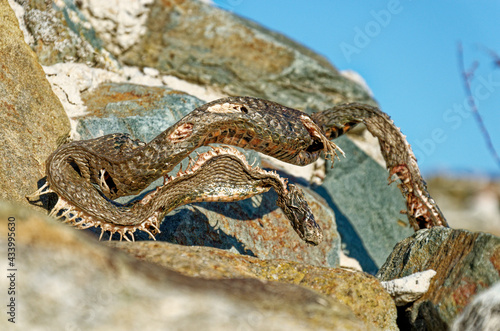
x,y
296,209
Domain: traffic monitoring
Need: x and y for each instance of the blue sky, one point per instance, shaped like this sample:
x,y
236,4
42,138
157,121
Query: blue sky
x,y
407,52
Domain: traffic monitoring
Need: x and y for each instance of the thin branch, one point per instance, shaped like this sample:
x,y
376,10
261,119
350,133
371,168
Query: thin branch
x,y
467,76
493,54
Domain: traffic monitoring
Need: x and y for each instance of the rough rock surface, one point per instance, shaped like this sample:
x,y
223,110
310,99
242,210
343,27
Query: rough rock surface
x,y
32,120
200,43
119,23
190,40
367,210
359,291
410,288
465,263
67,280
142,111
61,33
255,227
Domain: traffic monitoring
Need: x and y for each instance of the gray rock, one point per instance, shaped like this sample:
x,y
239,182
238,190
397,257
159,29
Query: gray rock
x,y
362,293
255,227
190,40
32,120
465,263
367,210
61,33
142,111
203,44
66,280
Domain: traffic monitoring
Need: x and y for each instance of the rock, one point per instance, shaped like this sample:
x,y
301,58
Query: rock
x,y
70,81
482,313
359,291
190,40
61,33
465,263
408,289
255,227
209,46
32,120
367,210
65,279
120,24
19,11
142,111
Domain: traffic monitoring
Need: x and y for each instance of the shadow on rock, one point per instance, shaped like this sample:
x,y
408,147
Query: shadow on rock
x,y
350,238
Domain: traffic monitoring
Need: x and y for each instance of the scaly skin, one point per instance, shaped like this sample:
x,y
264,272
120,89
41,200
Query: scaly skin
x,y
121,166
422,210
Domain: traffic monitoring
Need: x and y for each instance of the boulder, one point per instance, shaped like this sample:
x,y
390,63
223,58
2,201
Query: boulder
x,y
32,120
465,263
359,291
367,209
66,279
200,43
190,40
59,32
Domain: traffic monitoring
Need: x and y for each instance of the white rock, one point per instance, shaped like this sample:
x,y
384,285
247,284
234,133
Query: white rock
x,y
118,23
202,92
356,77
69,80
410,288
368,144
19,11
152,72
304,172
349,262
136,76
483,313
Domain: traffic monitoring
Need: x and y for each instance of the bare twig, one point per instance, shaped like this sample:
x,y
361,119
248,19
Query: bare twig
x,y
493,54
467,76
